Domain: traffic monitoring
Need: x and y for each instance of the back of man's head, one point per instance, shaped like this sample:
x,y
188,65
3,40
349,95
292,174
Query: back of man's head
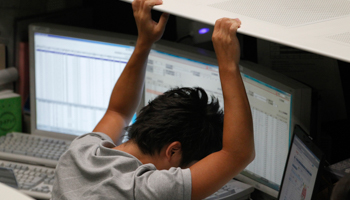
x,y
184,115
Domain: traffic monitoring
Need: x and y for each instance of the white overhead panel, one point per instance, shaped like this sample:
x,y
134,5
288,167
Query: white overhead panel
x,y
318,26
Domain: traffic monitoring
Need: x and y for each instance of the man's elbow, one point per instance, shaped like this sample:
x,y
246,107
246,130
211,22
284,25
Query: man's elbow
x,y
251,148
252,155
249,155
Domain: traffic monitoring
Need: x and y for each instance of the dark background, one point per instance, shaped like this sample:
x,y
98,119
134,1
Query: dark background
x,y
333,136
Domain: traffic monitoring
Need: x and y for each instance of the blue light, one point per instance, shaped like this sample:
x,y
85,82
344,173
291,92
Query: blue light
x,y
203,30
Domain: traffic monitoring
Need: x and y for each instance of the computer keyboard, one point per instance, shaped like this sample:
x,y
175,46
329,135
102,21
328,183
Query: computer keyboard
x,y
32,149
35,181
233,190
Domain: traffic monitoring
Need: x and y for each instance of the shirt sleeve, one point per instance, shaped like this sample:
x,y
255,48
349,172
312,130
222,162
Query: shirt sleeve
x,y
173,184
94,137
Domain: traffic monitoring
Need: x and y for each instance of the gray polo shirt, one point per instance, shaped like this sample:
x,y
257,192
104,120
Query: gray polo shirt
x,y
91,169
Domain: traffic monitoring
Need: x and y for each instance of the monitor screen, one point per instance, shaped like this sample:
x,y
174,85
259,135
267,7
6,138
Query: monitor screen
x,y
277,103
169,70
73,72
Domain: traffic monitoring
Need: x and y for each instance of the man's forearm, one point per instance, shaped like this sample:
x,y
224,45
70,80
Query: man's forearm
x,y
238,138
238,135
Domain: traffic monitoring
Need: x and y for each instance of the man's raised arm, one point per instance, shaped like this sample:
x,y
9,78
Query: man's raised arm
x,y
127,91
215,170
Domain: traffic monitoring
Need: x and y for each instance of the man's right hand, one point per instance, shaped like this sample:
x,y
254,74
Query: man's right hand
x,y
149,31
225,41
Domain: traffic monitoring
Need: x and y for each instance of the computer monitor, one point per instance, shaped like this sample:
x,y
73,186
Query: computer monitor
x,y
277,103
72,74
304,165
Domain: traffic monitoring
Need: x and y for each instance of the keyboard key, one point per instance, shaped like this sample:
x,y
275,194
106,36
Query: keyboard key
x,y
20,152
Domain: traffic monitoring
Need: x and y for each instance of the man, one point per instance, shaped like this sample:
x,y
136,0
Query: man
x,y
157,168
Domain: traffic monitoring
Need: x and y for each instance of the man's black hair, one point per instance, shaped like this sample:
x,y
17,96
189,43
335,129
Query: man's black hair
x,y
184,115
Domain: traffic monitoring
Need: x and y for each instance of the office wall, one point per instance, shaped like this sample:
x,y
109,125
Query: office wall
x,y
12,10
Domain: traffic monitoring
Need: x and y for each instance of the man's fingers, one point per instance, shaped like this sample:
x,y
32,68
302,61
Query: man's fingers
x,y
239,22
145,5
136,4
227,23
163,20
218,23
149,4
236,23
